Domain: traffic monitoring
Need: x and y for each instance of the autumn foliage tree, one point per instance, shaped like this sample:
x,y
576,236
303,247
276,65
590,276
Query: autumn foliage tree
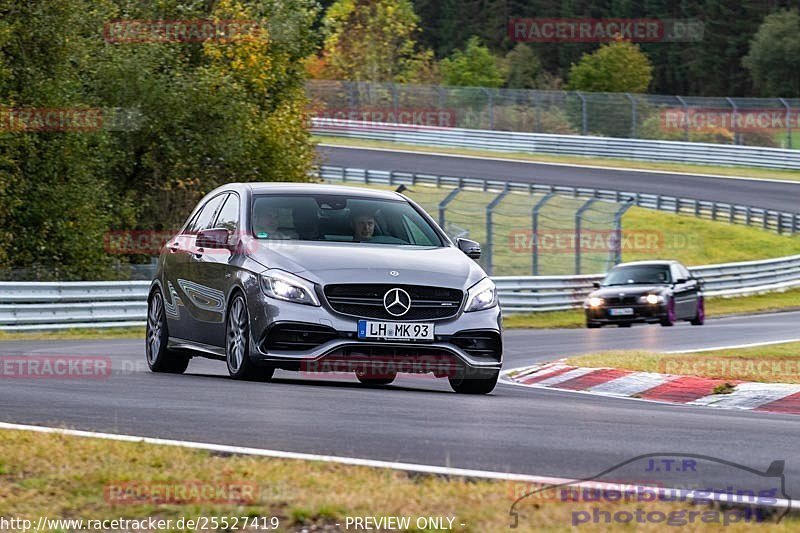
x,y
209,112
373,40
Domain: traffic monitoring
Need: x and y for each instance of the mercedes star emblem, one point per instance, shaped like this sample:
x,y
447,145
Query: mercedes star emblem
x,y
397,302
394,273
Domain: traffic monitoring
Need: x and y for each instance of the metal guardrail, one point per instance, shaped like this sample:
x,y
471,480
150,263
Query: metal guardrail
x,y
780,221
72,304
545,143
40,306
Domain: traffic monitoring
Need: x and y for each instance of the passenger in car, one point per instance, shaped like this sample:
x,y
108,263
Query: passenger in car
x,y
266,221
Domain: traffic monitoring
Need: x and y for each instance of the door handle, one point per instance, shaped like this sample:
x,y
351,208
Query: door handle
x,y
199,253
173,247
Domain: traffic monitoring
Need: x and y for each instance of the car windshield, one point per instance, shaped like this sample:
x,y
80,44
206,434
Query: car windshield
x,y
639,274
340,218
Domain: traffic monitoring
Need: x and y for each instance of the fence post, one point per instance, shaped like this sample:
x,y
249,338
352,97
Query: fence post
x,y
685,118
584,114
535,230
393,88
633,115
578,220
734,113
443,204
617,251
788,122
489,106
489,239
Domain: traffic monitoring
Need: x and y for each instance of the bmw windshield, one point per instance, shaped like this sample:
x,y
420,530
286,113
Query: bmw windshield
x,y
638,275
340,218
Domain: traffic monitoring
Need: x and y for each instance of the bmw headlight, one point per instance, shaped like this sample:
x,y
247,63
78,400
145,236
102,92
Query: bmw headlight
x,y
594,301
482,295
282,285
651,299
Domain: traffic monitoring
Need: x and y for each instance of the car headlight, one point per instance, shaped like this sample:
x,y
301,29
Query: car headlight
x,y
594,301
482,295
651,299
285,286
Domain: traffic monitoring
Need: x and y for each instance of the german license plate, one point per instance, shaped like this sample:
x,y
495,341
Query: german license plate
x,y
622,311
395,330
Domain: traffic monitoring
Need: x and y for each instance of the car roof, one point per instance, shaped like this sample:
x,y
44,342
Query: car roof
x,y
320,188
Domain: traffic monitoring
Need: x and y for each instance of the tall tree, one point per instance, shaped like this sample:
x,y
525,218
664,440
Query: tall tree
x,y
475,66
618,67
774,57
373,40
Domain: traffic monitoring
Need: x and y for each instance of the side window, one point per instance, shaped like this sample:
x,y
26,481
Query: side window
x,y
205,216
228,217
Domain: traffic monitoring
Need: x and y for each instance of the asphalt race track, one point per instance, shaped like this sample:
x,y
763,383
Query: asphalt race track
x,y
757,193
419,420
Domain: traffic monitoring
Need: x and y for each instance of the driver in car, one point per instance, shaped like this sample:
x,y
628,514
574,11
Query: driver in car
x,y
363,223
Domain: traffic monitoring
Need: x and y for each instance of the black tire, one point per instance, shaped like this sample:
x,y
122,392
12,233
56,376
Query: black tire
x,y
700,315
670,318
625,324
374,379
237,344
475,384
592,325
159,358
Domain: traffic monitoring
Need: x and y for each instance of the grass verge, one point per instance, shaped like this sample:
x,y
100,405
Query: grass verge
x,y
74,334
774,363
59,476
715,307
749,172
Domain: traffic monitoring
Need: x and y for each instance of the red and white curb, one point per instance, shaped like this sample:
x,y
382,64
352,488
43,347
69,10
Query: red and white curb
x,y
665,388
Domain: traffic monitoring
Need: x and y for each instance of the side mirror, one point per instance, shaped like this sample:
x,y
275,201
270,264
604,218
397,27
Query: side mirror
x,y
471,248
212,238
680,281
596,284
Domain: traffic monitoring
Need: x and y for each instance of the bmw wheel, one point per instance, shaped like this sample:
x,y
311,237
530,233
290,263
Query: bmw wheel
x,y
670,317
237,344
700,316
159,358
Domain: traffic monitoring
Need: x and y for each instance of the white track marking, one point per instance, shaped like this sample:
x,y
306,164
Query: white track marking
x,y
631,384
407,467
566,376
553,164
749,395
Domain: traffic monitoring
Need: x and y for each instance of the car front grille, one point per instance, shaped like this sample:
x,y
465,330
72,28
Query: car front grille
x,y
366,301
621,300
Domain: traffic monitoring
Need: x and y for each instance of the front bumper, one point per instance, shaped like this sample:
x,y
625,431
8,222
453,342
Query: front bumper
x,y
346,351
641,313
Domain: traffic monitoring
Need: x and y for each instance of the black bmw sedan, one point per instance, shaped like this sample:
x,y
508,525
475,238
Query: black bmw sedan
x,y
646,291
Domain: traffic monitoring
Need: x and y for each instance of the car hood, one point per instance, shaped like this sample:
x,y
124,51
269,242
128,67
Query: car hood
x,y
628,290
326,263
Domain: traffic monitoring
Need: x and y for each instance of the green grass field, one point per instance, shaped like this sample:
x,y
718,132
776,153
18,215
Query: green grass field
x,y
647,234
57,476
774,363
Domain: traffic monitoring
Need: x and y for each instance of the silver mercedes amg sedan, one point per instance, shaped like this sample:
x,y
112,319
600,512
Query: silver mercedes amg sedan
x,y
323,278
